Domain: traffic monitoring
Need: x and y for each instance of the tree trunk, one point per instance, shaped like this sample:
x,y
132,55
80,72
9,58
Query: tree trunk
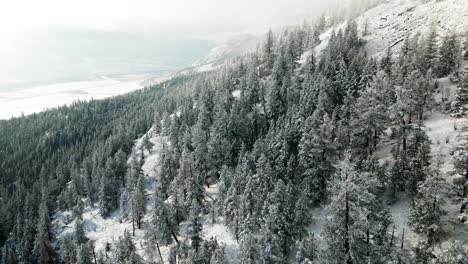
x,y
159,252
175,237
375,139
347,244
402,239
133,224
368,237
393,236
94,255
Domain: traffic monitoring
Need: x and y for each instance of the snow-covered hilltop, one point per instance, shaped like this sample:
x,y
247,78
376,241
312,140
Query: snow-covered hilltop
x,y
388,24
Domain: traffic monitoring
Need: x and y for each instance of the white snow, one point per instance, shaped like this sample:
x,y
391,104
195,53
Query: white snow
x,y
236,93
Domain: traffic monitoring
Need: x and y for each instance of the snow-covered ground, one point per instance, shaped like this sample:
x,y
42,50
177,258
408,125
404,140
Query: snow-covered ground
x,y
37,99
389,23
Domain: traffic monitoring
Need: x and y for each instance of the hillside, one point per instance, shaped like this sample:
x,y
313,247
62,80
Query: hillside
x,y
351,154
388,24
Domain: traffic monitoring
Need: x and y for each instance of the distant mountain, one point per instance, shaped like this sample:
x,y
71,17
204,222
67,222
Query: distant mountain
x,y
216,57
232,48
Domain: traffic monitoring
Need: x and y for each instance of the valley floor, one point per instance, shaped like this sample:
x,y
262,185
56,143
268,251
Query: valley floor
x,y
37,99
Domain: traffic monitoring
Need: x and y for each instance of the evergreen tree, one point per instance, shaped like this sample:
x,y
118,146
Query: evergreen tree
x,y
460,105
400,117
428,58
168,170
43,250
316,154
139,201
195,228
147,144
219,257
449,55
345,231
307,252
68,250
386,63
301,216
367,122
423,91
427,210
108,190
105,197
200,135
126,250
277,229
268,57
79,235
84,255
162,226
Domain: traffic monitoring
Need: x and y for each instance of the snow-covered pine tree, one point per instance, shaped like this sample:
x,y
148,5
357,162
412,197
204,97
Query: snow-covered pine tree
x,y
460,105
219,257
423,93
348,218
43,250
427,210
126,250
68,250
428,52
301,215
316,153
268,56
162,226
200,135
307,251
108,190
84,255
139,201
368,122
277,226
400,117
195,227
386,63
79,234
448,56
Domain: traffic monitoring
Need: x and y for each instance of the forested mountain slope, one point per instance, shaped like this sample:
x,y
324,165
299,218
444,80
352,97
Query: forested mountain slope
x,y
275,157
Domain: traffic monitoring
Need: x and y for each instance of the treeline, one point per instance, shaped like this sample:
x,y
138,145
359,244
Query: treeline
x,y
279,136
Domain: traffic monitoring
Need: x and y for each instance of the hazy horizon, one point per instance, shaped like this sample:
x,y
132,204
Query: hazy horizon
x,y
53,41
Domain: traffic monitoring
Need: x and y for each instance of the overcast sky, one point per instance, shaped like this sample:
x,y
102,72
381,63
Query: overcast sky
x,y
47,40
213,19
